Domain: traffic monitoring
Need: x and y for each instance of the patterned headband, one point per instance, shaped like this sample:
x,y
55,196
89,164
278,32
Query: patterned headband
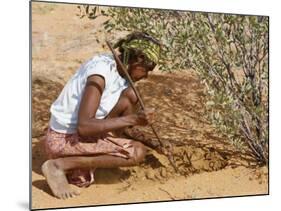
x,y
149,49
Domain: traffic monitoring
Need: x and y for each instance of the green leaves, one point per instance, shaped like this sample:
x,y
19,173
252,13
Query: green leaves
x,y
229,53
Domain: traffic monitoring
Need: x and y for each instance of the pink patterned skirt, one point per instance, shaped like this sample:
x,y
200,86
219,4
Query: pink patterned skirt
x,y
63,145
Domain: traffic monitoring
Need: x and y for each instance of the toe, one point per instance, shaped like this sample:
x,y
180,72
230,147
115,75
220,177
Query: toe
x,y
60,196
67,195
76,192
71,195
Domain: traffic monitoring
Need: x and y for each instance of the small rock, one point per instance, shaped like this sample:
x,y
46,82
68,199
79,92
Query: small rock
x,y
150,175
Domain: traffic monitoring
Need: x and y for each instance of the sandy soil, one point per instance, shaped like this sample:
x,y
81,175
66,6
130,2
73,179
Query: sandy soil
x,y
208,165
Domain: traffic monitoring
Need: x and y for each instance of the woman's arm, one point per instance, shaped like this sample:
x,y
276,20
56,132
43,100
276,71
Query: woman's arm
x,y
88,125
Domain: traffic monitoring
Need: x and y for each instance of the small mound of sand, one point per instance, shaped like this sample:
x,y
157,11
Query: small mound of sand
x,y
194,160
189,160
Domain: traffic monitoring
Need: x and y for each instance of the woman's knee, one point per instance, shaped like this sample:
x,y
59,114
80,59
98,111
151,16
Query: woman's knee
x,y
130,94
140,152
126,104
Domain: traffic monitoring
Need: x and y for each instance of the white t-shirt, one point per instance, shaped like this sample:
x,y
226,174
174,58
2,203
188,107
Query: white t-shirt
x,y
64,111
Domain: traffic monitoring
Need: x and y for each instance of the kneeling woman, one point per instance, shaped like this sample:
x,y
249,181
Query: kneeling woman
x,y
95,105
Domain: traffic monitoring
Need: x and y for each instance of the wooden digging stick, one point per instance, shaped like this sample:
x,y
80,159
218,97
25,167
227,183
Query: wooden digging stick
x,y
170,158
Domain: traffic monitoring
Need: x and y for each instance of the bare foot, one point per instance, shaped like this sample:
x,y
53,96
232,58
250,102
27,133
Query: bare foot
x,y
57,181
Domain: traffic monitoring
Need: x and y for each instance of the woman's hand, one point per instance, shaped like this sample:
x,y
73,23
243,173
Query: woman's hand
x,y
144,117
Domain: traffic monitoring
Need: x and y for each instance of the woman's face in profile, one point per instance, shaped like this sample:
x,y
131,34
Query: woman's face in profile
x,y
139,68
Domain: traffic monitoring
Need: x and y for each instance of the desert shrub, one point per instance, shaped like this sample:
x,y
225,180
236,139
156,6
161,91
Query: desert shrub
x,y
230,55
